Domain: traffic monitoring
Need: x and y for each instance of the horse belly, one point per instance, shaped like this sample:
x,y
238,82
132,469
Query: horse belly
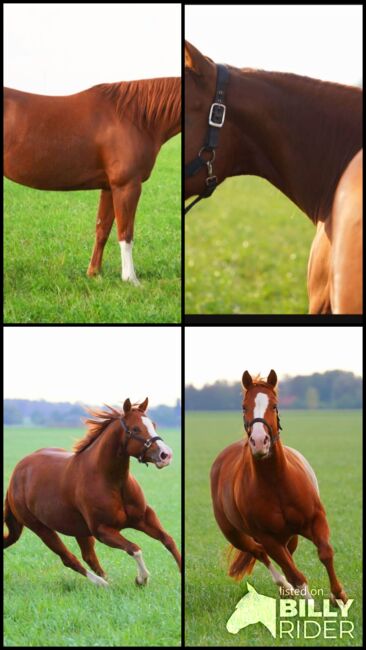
x,y
50,148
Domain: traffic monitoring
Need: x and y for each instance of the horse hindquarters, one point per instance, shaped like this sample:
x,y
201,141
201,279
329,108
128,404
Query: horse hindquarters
x,y
346,235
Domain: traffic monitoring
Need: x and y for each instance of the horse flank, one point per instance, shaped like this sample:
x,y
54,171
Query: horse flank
x,y
148,102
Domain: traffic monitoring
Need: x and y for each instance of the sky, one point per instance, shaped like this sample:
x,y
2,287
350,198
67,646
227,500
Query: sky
x,y
64,48
321,41
93,365
214,353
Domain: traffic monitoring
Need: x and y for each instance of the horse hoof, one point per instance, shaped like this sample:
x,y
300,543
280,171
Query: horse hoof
x,y
341,596
141,582
92,272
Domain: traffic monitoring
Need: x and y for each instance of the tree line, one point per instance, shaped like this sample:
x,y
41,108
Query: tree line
x,y
334,389
64,414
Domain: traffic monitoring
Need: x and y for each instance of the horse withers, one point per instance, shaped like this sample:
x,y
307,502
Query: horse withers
x,y
106,137
265,494
90,493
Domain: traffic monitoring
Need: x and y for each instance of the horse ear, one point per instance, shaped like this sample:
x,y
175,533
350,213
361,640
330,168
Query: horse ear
x,y
246,380
143,405
126,406
194,60
272,379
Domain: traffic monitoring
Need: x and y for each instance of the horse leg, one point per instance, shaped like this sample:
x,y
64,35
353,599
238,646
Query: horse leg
x,y
152,527
319,273
125,199
105,218
14,526
282,555
292,544
52,540
320,537
113,538
88,554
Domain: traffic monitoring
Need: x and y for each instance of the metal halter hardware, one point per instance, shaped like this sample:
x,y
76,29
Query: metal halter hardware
x,y
249,425
216,119
135,436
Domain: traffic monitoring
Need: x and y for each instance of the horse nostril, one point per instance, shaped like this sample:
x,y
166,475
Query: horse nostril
x,y
266,440
163,455
252,441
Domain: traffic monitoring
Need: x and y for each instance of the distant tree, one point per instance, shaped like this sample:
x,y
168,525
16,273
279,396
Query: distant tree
x,y
12,414
312,398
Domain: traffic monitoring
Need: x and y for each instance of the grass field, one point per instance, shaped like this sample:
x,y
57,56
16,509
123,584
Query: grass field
x,y
47,604
48,241
331,441
246,252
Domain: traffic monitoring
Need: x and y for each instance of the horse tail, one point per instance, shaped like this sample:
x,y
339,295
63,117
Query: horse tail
x,y
242,563
14,526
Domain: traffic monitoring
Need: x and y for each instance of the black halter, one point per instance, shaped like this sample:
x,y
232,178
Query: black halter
x,y
147,443
248,426
216,119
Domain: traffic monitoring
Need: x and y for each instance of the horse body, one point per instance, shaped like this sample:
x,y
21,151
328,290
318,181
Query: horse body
x,y
106,137
300,134
89,493
265,494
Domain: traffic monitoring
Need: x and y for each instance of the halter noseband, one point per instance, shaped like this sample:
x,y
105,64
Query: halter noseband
x,y
248,426
216,119
135,436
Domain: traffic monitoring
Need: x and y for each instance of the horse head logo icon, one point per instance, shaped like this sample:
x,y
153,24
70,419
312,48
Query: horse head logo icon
x,y
253,608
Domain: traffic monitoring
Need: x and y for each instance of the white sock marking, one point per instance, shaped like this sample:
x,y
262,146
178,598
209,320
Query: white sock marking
x,y
128,270
142,572
96,579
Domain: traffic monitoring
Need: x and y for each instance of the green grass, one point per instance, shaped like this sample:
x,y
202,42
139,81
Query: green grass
x,y
331,441
49,237
47,604
246,252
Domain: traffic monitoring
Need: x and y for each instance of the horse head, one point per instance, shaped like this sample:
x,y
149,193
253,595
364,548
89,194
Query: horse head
x,y
139,436
260,413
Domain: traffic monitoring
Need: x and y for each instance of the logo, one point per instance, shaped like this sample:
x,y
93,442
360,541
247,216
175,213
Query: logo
x,y
256,608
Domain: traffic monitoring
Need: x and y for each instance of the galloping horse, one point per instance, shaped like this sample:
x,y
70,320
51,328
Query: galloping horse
x,y
304,136
90,493
265,495
106,137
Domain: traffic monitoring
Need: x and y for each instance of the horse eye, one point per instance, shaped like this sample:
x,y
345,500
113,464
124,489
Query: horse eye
x,y
135,429
244,408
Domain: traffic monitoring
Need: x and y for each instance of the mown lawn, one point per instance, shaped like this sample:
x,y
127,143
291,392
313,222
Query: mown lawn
x,y
46,604
246,251
331,441
48,241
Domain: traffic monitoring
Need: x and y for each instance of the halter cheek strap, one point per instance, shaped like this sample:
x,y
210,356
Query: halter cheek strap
x,y
216,120
135,436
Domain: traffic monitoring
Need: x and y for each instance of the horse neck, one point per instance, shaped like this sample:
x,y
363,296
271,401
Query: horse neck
x,y
272,469
297,133
106,452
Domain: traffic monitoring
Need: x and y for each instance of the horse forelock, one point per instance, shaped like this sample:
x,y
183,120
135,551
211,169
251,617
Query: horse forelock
x,y
261,381
147,101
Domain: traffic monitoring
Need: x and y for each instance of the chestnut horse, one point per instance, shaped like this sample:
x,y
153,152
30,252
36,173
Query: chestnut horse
x,y
90,492
304,136
265,494
106,137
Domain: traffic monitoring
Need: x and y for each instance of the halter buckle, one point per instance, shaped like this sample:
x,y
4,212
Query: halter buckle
x,y
217,115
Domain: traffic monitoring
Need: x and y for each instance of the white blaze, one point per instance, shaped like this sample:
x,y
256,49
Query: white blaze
x,y
150,427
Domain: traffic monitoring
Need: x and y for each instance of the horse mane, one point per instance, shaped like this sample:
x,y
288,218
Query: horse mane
x,y
261,381
96,424
146,101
